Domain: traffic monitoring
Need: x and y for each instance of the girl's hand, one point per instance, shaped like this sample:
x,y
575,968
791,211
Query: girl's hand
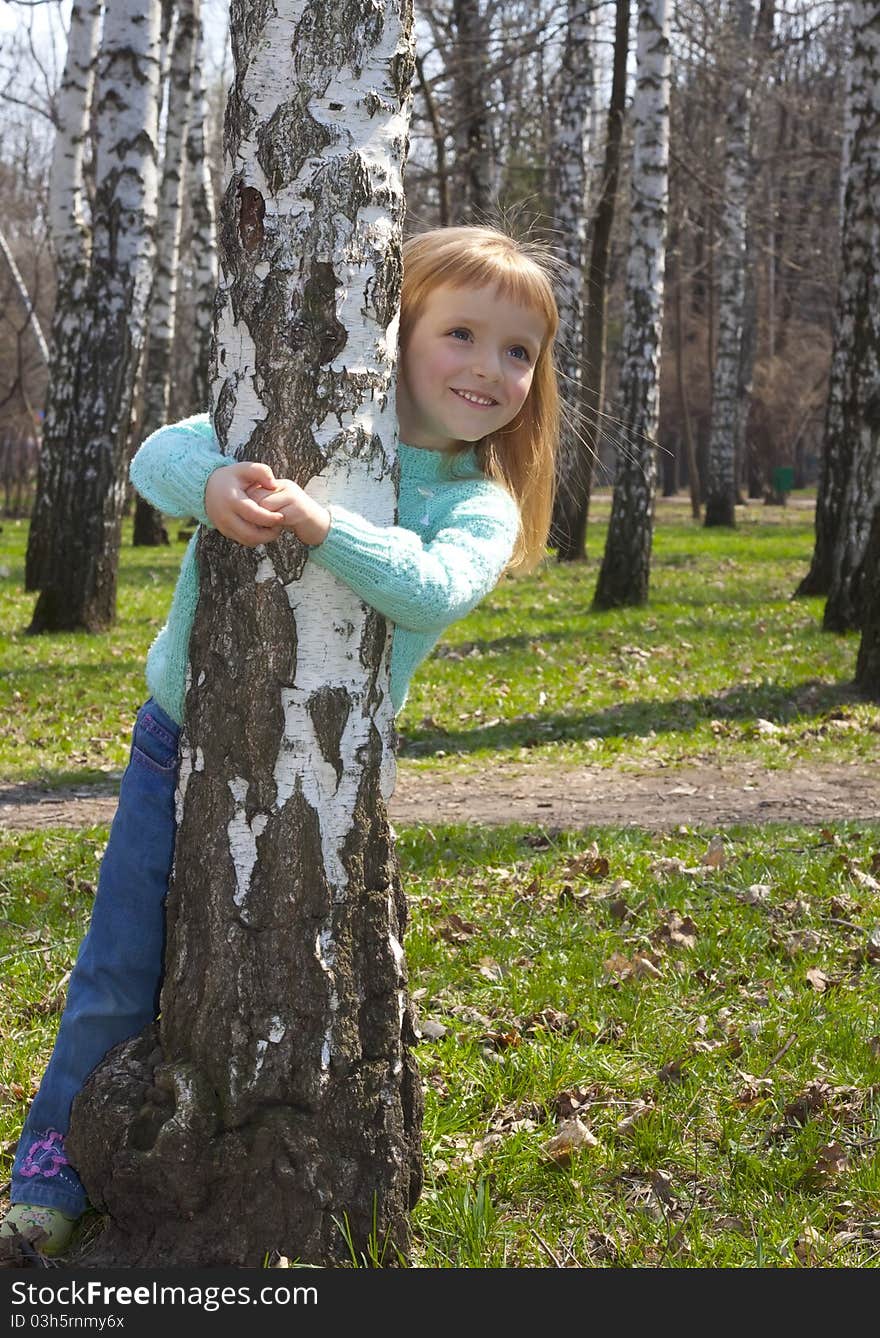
x,y
309,520
236,514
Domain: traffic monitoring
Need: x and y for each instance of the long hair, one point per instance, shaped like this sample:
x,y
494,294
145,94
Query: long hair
x,y
521,457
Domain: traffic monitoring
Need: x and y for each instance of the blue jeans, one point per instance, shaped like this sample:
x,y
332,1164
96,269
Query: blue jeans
x,y
114,986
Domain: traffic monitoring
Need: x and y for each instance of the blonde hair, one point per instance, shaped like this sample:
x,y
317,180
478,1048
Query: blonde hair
x,y
521,457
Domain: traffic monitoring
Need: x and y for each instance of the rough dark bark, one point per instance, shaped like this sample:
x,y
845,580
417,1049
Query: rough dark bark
x,y
280,1074
572,511
79,590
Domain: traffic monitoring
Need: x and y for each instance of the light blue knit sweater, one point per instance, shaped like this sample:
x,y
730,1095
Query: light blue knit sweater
x,y
455,534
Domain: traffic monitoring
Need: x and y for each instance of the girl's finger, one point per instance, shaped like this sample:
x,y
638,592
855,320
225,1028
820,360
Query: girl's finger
x,y
256,472
253,514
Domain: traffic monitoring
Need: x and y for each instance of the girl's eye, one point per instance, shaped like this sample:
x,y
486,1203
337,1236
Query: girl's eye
x,y
461,331
518,348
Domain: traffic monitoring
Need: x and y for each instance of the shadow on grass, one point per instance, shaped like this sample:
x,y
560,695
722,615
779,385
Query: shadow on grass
x,y
779,703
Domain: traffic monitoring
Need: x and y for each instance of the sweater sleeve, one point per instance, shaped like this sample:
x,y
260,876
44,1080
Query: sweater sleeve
x,y
174,464
424,586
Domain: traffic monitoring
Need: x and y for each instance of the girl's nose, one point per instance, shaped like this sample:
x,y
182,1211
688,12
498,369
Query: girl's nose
x,y
487,364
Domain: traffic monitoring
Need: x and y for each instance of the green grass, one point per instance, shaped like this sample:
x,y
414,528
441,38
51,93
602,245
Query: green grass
x,y
531,676
560,980
733,1092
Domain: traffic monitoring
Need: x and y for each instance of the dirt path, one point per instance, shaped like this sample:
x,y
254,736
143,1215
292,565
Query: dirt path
x,y
575,797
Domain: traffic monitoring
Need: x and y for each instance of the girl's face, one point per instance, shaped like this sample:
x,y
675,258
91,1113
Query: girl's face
x,y
467,368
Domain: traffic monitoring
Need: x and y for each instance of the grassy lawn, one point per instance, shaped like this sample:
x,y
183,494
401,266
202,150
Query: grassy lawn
x,y
696,1023
530,676
714,1028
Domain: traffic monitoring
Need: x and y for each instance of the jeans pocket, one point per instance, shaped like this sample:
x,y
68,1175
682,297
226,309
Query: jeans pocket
x,y
153,746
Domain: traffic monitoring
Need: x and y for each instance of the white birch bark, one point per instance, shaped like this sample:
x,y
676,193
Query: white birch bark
x,y
71,241
626,565
202,242
570,177
80,589
721,471
285,1027
853,423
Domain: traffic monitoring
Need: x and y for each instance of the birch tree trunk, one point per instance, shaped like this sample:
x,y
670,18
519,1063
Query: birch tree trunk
x,y
80,588
626,565
570,160
149,530
71,245
726,406
203,242
471,129
573,504
859,326
280,1073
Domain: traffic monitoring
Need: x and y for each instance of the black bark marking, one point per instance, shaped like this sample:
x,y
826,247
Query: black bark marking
x,y
315,325
251,212
330,709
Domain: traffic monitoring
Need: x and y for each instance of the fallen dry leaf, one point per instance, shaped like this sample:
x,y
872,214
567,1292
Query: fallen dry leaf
x,y
589,864
714,857
831,1160
753,1089
810,1247
456,930
571,1135
489,968
819,981
628,1123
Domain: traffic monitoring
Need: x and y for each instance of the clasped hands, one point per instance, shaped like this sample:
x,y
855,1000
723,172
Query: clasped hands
x,y
247,503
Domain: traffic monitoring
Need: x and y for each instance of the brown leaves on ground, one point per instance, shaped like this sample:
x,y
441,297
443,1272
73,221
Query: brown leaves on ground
x,y
571,1137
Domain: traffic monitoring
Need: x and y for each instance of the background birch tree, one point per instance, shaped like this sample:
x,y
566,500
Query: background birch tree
x,y
726,404
569,192
149,529
71,245
280,1072
626,564
79,589
573,497
849,489
202,248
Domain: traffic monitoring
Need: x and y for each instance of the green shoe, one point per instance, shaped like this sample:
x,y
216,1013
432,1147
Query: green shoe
x,y
32,1219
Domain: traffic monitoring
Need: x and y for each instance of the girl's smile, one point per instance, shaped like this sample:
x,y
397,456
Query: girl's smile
x,y
467,367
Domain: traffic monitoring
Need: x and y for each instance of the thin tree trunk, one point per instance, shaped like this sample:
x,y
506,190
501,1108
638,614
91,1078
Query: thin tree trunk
x,y
835,464
687,426
726,405
570,522
71,247
860,315
570,162
472,131
149,531
203,241
626,565
280,1073
80,589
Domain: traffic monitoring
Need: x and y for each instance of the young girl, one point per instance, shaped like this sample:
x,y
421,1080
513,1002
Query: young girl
x,y
478,420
